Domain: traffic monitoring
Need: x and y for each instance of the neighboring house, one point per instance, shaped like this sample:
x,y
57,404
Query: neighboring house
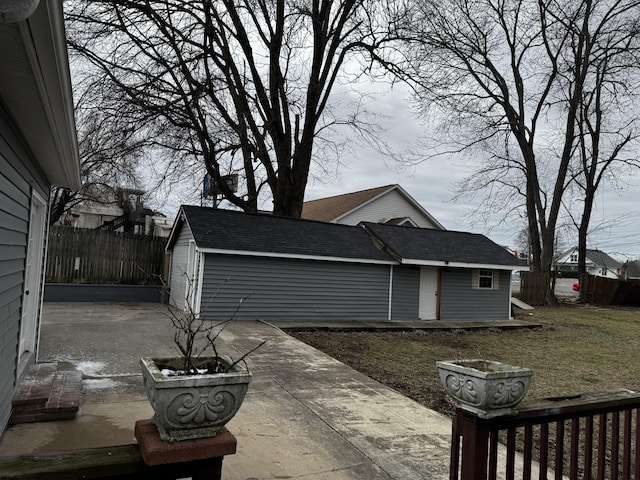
x,y
630,270
158,225
390,204
38,149
118,209
270,267
597,263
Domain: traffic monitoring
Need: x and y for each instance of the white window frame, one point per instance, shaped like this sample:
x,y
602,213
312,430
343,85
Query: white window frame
x,y
484,275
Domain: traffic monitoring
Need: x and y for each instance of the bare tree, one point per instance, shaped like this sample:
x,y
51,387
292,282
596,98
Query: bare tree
x,y
607,122
109,154
237,86
509,77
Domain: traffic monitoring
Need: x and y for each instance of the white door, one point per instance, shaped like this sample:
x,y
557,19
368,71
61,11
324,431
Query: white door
x,y
33,276
428,303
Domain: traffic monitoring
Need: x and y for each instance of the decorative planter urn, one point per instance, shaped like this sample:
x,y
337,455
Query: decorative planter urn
x,y
192,406
487,388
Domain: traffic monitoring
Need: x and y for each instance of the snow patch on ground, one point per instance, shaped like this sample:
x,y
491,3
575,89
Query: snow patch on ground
x,y
99,383
90,368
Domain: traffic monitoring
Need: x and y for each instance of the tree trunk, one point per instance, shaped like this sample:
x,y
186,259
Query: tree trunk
x,y
582,233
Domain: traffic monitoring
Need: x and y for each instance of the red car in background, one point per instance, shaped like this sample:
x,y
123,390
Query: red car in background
x,y
576,286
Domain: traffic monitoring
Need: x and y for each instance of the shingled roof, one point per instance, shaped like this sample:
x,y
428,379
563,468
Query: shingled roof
x,y
330,208
601,259
430,246
267,234
227,231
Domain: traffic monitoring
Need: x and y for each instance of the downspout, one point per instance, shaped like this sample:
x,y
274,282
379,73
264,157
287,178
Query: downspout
x,y
12,11
509,316
390,291
198,293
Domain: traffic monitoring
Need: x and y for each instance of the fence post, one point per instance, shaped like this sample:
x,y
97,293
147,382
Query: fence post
x,y
475,445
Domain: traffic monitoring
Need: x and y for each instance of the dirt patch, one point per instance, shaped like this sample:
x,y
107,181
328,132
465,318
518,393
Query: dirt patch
x,y
597,346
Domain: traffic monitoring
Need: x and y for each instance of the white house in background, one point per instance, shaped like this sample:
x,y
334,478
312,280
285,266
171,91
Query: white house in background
x,y
598,263
158,225
38,149
118,209
390,205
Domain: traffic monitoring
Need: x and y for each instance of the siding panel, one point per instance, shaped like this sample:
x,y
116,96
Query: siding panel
x,y
458,301
406,291
272,288
18,175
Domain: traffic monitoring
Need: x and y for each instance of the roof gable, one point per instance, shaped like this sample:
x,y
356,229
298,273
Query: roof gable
x,y
330,208
595,257
339,207
426,245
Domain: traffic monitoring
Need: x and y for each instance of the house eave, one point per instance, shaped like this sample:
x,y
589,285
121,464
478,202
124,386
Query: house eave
x,y
16,10
440,263
35,89
175,229
221,251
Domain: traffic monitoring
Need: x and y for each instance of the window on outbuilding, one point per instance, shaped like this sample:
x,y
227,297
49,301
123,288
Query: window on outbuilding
x,y
485,279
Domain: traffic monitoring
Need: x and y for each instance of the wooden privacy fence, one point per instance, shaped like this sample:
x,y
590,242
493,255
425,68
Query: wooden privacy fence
x,y
98,256
609,291
588,437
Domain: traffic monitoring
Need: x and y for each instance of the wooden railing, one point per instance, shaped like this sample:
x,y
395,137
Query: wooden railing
x,y
594,436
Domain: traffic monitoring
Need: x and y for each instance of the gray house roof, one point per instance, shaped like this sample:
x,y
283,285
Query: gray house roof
x,y
425,246
260,233
602,259
226,231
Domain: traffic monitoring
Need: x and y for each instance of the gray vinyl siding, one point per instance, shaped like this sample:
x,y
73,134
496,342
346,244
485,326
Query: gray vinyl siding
x,y
459,301
177,278
406,291
293,289
17,176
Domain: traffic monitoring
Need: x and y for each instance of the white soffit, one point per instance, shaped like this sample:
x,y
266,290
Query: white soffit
x,y
35,88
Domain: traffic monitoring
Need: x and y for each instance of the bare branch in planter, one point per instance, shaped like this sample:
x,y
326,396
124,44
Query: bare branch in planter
x,y
242,358
194,336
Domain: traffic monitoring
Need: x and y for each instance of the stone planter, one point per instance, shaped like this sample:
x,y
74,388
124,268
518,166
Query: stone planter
x,y
488,389
192,406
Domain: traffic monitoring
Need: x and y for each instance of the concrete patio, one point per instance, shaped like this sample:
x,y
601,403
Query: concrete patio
x,y
306,415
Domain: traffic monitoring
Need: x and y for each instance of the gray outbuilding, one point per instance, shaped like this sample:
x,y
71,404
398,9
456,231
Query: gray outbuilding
x,y
254,266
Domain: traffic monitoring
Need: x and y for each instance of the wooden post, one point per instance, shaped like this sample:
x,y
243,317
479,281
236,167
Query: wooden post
x,y
475,446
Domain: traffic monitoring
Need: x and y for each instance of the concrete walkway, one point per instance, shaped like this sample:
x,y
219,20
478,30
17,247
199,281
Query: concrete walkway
x,y
306,415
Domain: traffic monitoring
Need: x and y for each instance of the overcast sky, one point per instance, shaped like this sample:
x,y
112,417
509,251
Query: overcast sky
x,y
432,184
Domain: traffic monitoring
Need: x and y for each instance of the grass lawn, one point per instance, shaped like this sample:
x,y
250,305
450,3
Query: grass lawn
x,y
578,349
